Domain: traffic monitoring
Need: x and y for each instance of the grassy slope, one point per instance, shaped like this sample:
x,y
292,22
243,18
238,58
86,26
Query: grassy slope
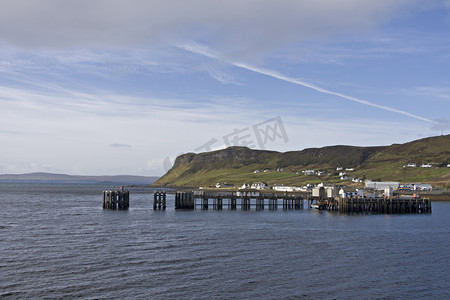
x,y
388,164
236,165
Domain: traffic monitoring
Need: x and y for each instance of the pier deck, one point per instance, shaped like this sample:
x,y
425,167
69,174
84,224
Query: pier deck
x,y
288,201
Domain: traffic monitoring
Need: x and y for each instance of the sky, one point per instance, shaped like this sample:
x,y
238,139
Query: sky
x,y
106,87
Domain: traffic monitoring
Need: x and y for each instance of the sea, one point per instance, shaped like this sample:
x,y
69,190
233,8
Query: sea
x,y
56,241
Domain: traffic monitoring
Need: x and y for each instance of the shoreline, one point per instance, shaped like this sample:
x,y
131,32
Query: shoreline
x,y
436,195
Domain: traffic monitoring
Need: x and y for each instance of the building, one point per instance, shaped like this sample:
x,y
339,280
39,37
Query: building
x,y
380,185
282,188
339,169
221,185
369,193
245,186
332,191
426,165
309,172
411,165
318,192
422,187
389,192
259,186
347,192
256,171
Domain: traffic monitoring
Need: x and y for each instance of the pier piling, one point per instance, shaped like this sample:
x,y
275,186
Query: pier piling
x,y
184,200
159,200
116,199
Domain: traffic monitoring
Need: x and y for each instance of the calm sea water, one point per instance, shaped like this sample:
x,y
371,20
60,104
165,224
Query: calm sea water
x,y
56,241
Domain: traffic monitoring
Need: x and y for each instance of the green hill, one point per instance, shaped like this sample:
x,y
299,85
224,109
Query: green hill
x,y
236,165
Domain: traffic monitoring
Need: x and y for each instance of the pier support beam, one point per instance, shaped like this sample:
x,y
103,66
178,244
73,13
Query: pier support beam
x,y
116,200
184,200
159,200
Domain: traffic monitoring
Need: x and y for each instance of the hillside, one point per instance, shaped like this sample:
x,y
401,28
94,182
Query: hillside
x,y
236,165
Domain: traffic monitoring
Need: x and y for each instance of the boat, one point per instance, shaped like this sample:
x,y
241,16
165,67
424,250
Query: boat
x,y
321,205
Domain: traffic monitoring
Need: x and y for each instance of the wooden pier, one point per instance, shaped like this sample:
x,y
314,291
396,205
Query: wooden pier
x,y
159,200
116,199
246,200
291,201
184,200
381,205
235,200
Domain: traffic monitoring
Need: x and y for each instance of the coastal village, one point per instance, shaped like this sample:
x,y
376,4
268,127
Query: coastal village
x,y
359,188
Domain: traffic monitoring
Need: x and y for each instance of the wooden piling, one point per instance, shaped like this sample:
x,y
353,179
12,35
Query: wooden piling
x,y
116,199
380,205
159,200
184,200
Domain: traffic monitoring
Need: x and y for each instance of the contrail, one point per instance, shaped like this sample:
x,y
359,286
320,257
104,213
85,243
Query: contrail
x,y
274,74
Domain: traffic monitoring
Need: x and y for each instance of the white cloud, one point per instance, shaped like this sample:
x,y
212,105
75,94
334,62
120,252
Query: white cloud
x,y
237,27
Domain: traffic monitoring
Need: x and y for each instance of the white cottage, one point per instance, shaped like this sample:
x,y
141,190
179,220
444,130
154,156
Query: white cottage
x,y
260,186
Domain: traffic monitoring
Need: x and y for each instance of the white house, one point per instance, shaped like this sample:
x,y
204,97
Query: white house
x,y
224,185
282,188
309,172
349,169
320,173
448,166
245,186
411,165
342,173
422,187
426,165
256,171
348,192
339,169
344,177
259,186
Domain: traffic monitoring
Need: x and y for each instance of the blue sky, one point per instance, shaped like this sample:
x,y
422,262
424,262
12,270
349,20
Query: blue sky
x,y
123,87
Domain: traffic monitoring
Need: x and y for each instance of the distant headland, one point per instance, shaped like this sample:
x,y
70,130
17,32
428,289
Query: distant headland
x,y
41,177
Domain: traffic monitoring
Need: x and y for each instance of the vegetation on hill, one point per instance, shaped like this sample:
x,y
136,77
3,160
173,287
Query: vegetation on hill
x,y
236,165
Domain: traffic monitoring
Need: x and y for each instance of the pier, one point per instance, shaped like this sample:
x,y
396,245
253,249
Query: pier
x,y
238,200
159,200
116,199
250,199
411,205
246,200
